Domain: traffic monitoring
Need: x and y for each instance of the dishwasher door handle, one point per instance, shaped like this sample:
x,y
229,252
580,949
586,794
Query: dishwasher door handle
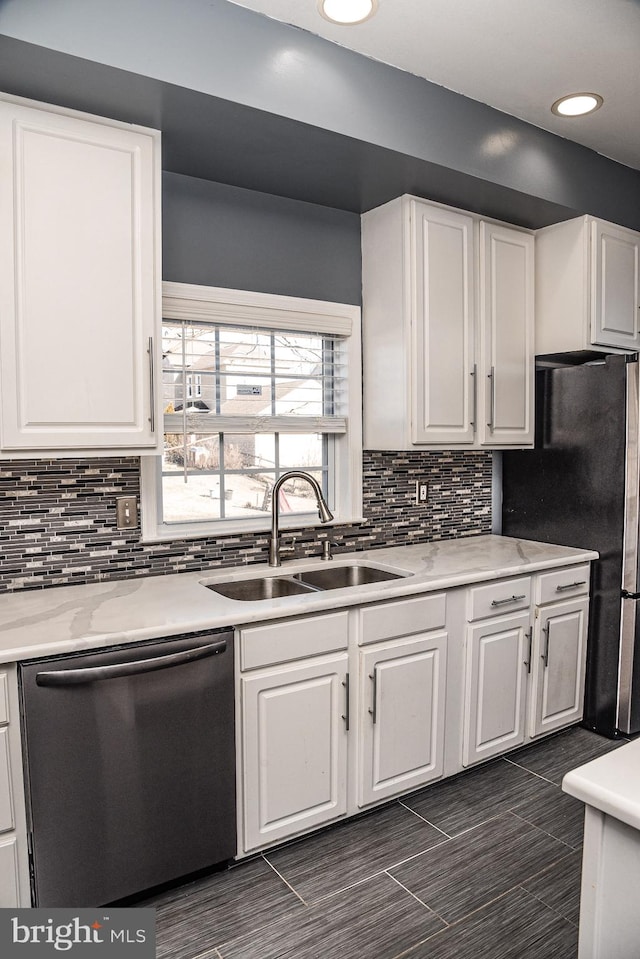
x,y
75,677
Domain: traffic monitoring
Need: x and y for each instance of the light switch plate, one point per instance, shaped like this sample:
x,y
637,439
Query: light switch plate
x,y
126,512
422,492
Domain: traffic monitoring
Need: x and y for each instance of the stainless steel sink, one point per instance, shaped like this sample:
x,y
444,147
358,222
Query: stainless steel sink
x,y
308,581
337,577
268,587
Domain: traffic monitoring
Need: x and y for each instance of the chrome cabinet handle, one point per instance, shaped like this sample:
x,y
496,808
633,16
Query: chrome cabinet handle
x,y
374,696
346,715
529,636
578,582
152,386
474,374
510,599
92,674
492,398
545,656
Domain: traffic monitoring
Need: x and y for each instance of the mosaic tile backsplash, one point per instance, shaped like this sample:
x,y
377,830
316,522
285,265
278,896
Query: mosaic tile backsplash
x,y
58,518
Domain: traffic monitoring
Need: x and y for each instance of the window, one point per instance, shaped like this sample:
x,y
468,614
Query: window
x,y
253,385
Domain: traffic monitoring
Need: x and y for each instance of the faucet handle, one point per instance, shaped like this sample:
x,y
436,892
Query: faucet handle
x,y
290,548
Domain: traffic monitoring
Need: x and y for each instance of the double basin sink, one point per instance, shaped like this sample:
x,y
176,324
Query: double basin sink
x,y
307,581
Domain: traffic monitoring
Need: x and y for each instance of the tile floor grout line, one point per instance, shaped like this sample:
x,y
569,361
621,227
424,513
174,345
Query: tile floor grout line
x,y
548,905
287,884
418,899
211,953
532,773
422,818
452,925
543,831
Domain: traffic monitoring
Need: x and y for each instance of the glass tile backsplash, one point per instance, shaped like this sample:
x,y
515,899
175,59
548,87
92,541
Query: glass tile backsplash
x,y
58,518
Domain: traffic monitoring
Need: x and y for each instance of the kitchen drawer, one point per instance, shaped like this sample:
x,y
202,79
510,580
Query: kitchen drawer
x,y
502,596
402,618
562,584
4,700
282,641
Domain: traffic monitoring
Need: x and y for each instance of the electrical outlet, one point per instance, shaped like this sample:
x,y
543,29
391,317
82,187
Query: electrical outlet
x,y
422,492
126,512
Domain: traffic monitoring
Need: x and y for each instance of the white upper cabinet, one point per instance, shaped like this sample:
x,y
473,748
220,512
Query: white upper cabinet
x,y
448,329
79,282
587,287
441,298
506,350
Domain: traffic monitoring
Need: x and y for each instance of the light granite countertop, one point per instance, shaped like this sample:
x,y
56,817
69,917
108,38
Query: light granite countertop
x,y
70,618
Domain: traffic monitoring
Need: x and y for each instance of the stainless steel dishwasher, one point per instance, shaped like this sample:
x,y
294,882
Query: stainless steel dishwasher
x,y
130,766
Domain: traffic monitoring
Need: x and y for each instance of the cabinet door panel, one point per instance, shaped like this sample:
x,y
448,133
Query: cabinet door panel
x,y
615,284
496,687
442,321
6,808
506,348
294,749
559,658
402,716
9,877
81,283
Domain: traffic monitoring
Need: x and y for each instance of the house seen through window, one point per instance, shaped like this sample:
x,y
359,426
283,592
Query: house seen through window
x,y
242,406
253,385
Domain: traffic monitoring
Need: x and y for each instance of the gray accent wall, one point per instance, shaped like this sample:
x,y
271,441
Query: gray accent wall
x,y
200,69
219,235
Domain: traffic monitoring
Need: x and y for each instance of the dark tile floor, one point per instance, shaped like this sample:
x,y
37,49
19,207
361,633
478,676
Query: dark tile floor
x,y
482,866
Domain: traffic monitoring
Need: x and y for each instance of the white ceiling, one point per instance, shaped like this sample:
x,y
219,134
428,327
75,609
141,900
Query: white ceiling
x,y
516,55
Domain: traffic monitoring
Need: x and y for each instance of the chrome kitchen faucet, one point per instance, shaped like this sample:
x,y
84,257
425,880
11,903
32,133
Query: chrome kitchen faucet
x,y
324,512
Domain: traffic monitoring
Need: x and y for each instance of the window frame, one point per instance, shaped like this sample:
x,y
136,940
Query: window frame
x,y
190,302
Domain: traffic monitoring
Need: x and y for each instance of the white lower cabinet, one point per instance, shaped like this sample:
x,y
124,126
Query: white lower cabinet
x,y
401,721
9,874
525,672
341,710
295,748
14,866
560,644
496,687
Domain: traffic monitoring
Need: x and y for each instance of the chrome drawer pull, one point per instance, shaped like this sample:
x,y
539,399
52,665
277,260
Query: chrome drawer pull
x,y
510,599
578,582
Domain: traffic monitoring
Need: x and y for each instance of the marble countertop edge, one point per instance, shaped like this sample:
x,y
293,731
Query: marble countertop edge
x,y
67,619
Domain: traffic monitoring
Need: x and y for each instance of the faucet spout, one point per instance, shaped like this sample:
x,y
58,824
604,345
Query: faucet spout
x,y
324,512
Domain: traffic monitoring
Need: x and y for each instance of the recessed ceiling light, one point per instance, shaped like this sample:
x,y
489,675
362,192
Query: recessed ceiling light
x,y
577,104
347,11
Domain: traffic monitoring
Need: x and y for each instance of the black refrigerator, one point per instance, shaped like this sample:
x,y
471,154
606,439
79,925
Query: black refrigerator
x,y
580,486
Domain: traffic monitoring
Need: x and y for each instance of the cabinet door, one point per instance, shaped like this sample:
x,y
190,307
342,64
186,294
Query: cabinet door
x,y
559,657
615,286
401,732
79,282
442,311
294,742
9,876
496,687
506,355
6,809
